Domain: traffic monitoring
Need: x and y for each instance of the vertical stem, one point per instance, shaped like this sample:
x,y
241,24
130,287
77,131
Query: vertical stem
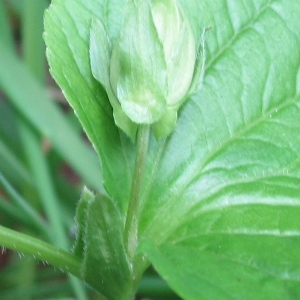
x,y
131,225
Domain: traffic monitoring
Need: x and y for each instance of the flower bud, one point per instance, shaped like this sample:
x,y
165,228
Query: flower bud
x,y
152,67
179,46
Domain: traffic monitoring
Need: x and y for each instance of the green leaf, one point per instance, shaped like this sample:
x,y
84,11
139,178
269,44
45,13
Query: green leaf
x,y
67,34
100,57
221,209
111,13
100,53
213,273
81,220
105,265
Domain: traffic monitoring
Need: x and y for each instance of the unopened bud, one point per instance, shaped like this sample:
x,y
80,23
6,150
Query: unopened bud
x,y
151,69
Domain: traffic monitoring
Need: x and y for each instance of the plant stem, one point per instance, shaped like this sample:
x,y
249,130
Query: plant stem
x,y
40,250
131,225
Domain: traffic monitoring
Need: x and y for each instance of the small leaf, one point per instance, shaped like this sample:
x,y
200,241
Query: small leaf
x,y
67,36
100,53
105,265
81,220
100,56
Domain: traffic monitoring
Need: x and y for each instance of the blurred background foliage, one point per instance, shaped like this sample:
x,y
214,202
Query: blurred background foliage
x,y
45,159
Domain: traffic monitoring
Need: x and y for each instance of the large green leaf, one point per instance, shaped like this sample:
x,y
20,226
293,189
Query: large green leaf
x,y
228,183
215,269
238,137
221,195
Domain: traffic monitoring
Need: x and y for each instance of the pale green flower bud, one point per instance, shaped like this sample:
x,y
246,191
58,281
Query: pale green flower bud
x,y
179,46
151,69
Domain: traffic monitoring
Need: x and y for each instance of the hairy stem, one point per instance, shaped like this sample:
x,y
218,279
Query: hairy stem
x,y
131,225
40,250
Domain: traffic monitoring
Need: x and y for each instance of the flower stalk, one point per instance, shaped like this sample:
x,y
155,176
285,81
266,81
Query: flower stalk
x,y
131,223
